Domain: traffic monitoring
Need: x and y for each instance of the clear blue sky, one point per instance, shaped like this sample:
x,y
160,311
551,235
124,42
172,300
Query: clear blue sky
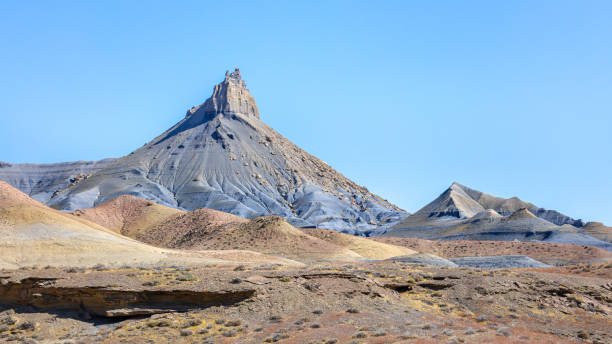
x,y
513,98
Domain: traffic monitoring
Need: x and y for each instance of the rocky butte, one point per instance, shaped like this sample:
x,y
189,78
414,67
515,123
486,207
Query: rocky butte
x,y
222,156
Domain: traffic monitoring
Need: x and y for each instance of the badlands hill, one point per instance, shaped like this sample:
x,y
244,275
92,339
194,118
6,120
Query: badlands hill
x,y
598,230
220,156
36,235
208,229
366,248
127,215
269,235
461,213
461,202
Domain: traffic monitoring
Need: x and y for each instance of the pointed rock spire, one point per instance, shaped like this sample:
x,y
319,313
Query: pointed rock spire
x,y
231,96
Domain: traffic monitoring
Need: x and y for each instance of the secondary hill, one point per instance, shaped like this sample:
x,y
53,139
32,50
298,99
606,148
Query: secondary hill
x,y
459,202
461,213
205,229
34,234
185,230
549,253
208,229
484,225
127,214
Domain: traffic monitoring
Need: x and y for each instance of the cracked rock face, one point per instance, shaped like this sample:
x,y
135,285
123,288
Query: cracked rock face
x,y
222,156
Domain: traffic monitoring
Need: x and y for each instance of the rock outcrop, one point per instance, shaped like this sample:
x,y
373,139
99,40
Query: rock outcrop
x,y
106,301
230,97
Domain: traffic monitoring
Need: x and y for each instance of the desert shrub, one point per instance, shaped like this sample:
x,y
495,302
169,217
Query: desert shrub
x,y
481,318
192,322
26,325
582,334
503,332
301,321
184,277
233,323
99,267
360,335
230,333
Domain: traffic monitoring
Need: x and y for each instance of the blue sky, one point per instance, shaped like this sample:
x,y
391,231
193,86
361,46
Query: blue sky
x,y
513,98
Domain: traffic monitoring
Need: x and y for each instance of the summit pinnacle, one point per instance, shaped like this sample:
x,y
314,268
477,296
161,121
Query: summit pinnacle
x,y
230,97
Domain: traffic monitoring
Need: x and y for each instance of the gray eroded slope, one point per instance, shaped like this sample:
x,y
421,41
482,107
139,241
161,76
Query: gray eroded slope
x,y
42,181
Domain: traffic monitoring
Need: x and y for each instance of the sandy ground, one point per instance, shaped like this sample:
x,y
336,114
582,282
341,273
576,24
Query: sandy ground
x,y
549,253
378,302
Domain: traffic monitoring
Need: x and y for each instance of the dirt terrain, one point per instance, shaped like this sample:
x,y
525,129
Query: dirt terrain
x,y
36,235
379,302
550,253
220,278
